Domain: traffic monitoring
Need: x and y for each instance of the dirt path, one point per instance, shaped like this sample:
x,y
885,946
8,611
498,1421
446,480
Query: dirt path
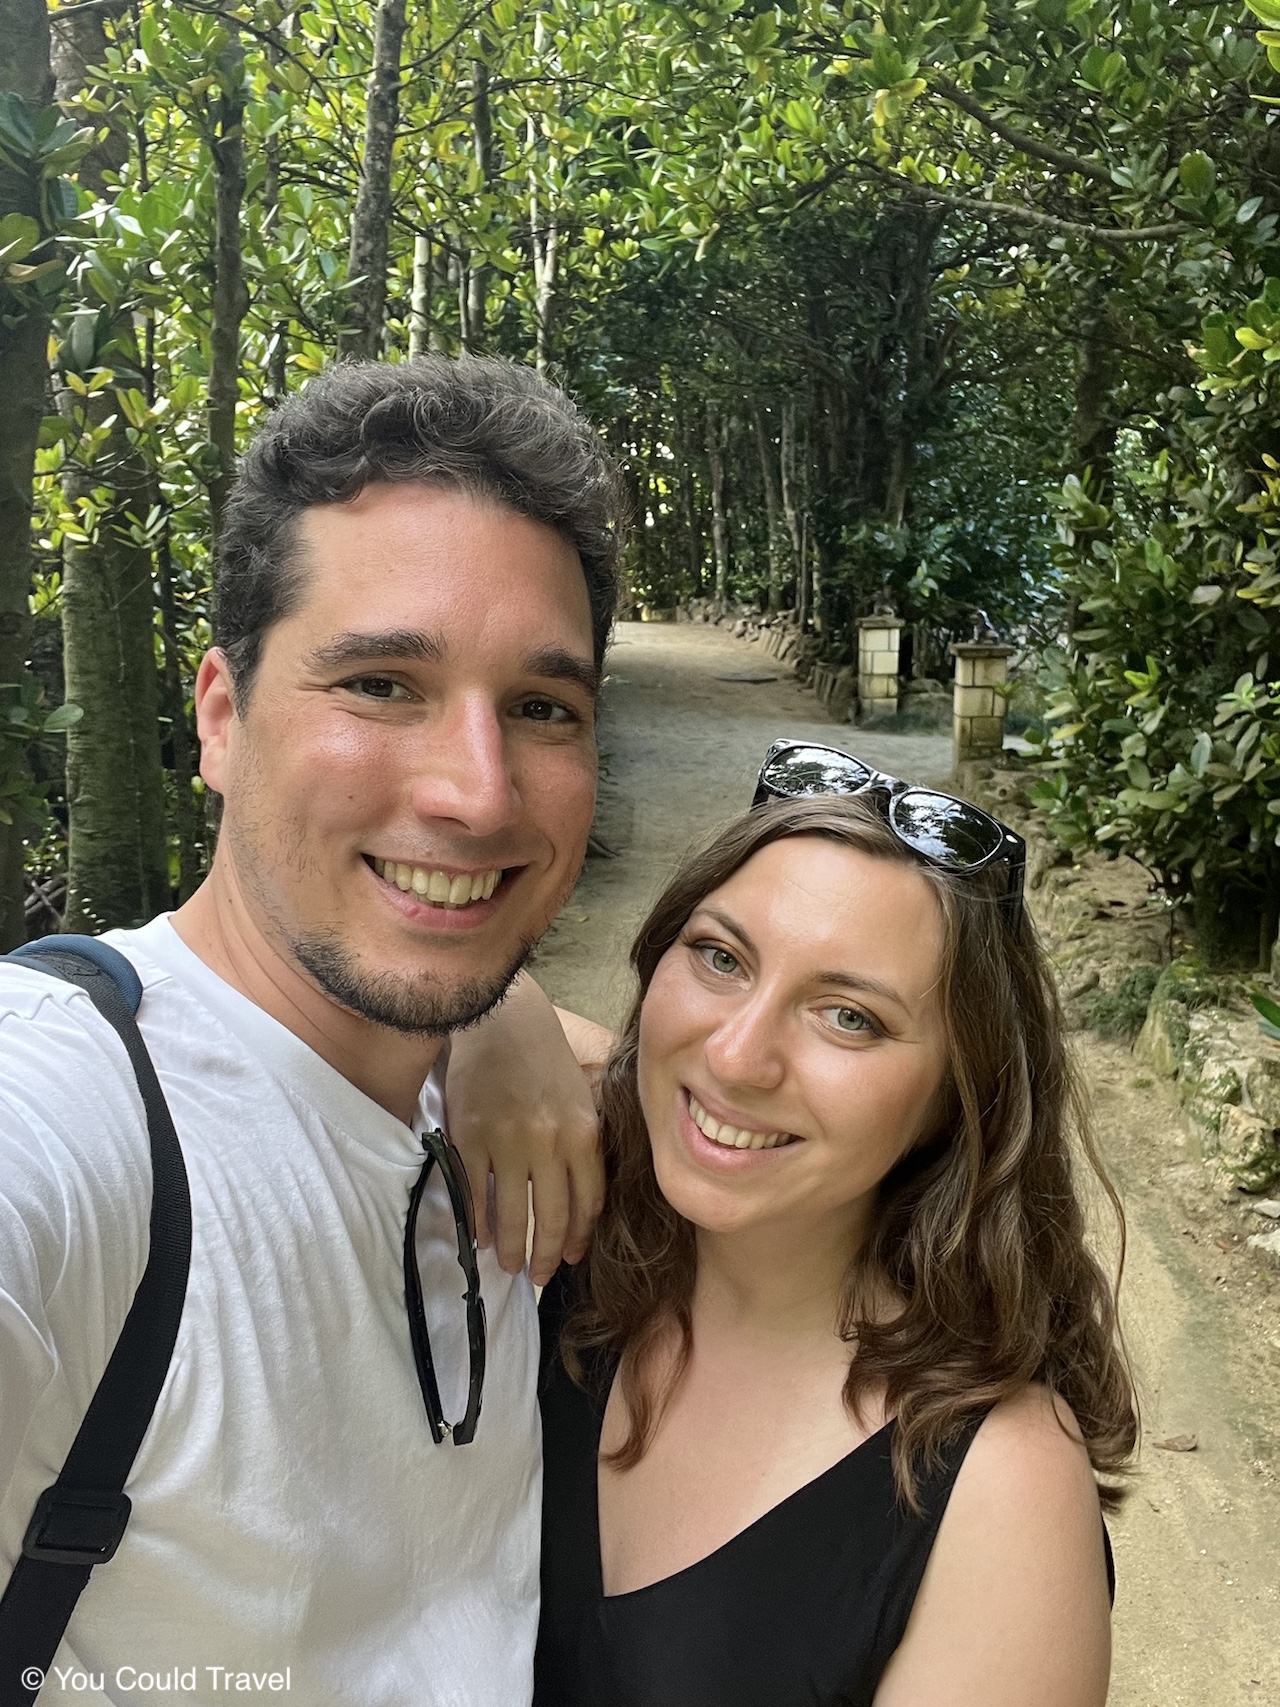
x,y
1198,1542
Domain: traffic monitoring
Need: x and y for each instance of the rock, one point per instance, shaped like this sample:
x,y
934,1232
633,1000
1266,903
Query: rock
x,y
1268,1242
1262,1081
1268,1206
1248,1148
844,687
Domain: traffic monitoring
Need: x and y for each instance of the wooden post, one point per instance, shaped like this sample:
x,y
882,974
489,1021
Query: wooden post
x,y
982,669
878,638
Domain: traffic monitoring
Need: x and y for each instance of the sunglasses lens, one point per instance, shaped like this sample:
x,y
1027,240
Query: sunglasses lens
x,y
800,771
949,831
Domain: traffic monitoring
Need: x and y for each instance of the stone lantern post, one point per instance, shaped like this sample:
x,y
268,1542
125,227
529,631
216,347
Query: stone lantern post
x,y
878,638
982,670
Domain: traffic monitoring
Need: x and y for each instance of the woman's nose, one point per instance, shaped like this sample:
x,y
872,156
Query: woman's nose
x,y
744,1049
466,773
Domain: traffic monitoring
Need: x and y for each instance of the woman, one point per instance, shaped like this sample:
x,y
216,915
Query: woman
x,y
824,1408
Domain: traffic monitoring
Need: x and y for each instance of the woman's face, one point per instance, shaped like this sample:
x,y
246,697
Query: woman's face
x,y
791,1044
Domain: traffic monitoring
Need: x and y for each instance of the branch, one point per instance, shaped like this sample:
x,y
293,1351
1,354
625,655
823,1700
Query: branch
x,y
109,9
1033,216
1018,138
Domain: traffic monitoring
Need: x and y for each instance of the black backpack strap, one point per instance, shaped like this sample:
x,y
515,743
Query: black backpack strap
x,y
79,1521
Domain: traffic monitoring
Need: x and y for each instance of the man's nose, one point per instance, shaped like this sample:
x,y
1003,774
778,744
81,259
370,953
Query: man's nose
x,y
746,1047
465,772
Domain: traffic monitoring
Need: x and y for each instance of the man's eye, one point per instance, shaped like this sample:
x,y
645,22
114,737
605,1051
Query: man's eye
x,y
852,1020
546,711
377,687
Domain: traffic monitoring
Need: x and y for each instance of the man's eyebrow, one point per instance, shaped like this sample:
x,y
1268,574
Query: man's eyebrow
x,y
848,980
563,666
409,645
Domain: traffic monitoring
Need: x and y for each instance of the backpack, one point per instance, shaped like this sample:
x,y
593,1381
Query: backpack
x,y
80,1520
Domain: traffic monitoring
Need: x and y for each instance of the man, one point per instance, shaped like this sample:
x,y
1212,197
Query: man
x,y
414,588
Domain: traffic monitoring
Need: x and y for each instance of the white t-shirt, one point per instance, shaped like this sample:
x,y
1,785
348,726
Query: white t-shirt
x,y
290,1509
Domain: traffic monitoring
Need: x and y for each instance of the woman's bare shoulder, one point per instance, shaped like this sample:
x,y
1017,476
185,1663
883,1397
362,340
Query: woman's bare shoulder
x,y
1013,1606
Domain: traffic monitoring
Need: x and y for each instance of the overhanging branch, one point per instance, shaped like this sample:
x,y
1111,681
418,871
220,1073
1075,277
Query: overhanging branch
x,y
1032,216
1019,139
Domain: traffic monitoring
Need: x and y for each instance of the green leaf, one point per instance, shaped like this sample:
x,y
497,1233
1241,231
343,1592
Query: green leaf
x,y
63,717
1197,173
1201,752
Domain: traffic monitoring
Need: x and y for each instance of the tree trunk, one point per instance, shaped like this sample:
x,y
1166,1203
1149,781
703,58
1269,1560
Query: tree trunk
x,y
790,504
24,337
230,298
118,872
772,506
719,514
361,335
420,298
544,241
477,274
185,814
1095,425
278,349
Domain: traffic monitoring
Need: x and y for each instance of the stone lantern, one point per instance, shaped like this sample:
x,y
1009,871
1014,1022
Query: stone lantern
x,y
982,671
878,638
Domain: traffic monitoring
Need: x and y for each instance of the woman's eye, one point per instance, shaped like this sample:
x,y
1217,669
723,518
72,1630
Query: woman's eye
x,y
546,711
851,1020
377,687
718,959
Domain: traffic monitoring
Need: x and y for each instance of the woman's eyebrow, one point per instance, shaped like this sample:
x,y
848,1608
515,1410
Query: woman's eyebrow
x,y
847,980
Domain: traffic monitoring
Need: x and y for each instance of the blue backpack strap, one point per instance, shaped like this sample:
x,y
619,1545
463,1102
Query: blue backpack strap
x,y
80,1520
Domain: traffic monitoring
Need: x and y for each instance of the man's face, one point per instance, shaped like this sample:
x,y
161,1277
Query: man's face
x,y
409,787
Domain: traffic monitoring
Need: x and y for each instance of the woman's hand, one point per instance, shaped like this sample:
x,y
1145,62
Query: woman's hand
x,y
521,1109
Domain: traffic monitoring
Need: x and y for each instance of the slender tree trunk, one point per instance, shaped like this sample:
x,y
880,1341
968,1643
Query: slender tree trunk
x,y
772,506
790,505
420,298
118,867
230,298
544,241
719,513
24,335
1095,424
185,814
367,257
477,274
278,352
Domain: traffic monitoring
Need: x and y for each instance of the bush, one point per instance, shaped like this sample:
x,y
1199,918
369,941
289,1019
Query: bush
x,y
1119,1013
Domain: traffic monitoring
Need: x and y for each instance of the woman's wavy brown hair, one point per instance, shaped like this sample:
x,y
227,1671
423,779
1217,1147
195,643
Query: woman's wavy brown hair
x,y
980,1230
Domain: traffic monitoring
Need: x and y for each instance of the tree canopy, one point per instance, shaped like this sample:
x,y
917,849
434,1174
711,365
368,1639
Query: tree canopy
x,y
973,306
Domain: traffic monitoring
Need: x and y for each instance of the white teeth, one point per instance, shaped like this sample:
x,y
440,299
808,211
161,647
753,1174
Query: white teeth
x,y
732,1137
438,886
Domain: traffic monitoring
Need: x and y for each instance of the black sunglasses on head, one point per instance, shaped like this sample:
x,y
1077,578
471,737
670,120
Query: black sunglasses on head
x,y
952,834
440,1150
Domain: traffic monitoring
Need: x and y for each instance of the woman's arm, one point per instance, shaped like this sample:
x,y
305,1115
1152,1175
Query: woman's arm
x,y
1013,1610
521,1109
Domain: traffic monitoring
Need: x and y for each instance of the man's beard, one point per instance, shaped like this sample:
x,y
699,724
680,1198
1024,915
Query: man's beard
x,y
418,1007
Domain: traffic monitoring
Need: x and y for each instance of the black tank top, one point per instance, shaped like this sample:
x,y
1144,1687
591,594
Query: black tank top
x,y
804,1608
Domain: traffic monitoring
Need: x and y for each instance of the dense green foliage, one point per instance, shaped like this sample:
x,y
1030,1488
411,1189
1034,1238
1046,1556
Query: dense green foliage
x,y
854,287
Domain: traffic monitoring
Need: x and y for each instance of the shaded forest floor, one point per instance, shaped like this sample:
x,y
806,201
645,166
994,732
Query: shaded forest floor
x,y
1198,1542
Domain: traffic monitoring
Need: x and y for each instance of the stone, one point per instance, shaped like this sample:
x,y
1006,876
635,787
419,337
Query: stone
x,y
1262,1081
1268,1242
1268,1206
1248,1149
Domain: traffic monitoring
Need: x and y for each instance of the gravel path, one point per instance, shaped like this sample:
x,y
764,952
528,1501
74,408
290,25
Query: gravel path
x,y
1198,1542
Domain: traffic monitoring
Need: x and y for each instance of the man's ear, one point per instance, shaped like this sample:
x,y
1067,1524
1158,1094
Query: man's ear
x,y
215,717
